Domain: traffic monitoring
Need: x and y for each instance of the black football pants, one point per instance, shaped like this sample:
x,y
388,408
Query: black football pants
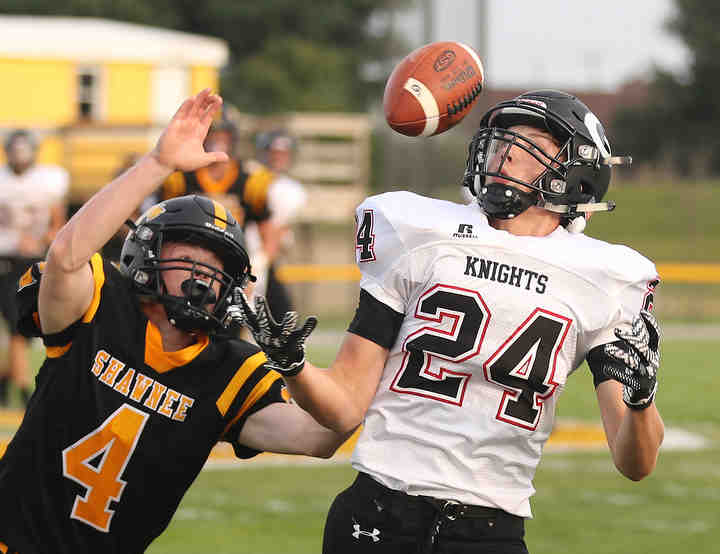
x,y
370,518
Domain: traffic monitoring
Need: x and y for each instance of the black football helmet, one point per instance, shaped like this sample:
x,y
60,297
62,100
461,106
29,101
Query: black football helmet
x,y
194,220
574,180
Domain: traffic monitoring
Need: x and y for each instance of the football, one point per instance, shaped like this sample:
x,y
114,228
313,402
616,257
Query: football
x,y
433,88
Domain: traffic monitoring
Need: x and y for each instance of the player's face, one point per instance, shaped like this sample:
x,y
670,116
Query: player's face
x,y
20,155
513,158
280,160
219,141
187,254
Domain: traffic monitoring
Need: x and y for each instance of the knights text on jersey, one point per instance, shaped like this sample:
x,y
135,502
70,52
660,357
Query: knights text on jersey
x,y
494,325
118,429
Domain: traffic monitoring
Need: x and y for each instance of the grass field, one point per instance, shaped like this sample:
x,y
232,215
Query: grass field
x,y
582,504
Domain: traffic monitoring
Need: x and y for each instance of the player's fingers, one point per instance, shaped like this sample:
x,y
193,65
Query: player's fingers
x,y
198,103
266,310
653,327
248,312
627,357
184,109
213,104
213,157
309,326
289,323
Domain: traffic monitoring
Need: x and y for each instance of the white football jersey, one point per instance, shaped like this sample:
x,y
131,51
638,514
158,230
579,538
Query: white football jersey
x,y
26,201
494,325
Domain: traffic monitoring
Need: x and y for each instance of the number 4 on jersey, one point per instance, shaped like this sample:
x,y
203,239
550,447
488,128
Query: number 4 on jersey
x,y
365,238
110,446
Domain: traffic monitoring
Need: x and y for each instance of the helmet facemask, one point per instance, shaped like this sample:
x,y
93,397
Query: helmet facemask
x,y
573,180
206,292
199,308
490,150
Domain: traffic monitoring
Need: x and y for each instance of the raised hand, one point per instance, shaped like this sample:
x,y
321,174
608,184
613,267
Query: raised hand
x,y
284,342
638,352
180,147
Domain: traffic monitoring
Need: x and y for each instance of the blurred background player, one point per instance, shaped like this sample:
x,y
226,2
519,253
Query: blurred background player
x,y
286,196
240,186
32,209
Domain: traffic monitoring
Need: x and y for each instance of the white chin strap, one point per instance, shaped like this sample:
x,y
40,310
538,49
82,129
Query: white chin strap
x,y
578,223
585,208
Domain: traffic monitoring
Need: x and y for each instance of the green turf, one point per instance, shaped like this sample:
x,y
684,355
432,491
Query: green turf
x,y
583,504
674,222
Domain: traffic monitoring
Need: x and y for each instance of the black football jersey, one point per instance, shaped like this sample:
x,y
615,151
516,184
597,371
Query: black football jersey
x,y
250,186
118,429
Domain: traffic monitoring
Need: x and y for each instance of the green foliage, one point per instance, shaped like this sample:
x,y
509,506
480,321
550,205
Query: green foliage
x,y
677,128
285,55
673,222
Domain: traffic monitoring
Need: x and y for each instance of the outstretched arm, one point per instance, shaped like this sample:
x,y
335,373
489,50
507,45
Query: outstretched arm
x,y
627,374
67,285
337,397
287,429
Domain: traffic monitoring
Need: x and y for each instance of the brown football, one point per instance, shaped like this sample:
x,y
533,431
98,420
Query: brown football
x,y
433,88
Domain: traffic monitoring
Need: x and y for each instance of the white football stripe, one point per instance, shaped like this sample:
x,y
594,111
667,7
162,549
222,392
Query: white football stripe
x,y
427,103
476,58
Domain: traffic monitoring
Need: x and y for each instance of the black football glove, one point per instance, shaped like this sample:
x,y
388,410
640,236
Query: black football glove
x,y
283,343
638,352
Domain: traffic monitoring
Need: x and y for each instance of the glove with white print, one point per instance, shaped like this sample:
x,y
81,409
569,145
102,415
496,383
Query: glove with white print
x,y
284,342
637,354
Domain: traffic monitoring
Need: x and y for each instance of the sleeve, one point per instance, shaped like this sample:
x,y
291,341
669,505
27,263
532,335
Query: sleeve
x,y
252,388
27,296
375,321
255,193
61,183
286,197
629,293
381,256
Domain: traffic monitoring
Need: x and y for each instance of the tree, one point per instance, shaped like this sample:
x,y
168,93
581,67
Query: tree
x,y
678,126
285,54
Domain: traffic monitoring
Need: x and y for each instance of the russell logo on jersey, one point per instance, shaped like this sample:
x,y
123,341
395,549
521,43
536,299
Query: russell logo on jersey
x,y
465,231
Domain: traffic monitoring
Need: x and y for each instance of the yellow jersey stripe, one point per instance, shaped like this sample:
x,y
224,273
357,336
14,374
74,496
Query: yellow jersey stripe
x,y
57,351
238,380
99,276
258,391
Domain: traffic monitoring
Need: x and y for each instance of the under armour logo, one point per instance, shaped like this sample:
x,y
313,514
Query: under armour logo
x,y
374,535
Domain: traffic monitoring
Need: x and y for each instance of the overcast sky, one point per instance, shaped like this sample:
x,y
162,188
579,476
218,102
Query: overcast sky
x,y
559,43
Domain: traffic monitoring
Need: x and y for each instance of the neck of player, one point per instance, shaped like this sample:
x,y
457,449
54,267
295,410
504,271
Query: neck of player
x,y
533,222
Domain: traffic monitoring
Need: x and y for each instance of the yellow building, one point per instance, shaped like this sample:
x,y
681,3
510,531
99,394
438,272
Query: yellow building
x,y
95,91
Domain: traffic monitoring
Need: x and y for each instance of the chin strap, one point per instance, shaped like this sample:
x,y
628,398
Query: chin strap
x,y
577,218
584,208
